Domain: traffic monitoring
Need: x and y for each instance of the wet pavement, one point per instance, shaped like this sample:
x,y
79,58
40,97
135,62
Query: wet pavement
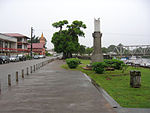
x,y
54,90
12,67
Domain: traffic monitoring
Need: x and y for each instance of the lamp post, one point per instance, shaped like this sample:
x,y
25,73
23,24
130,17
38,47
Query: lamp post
x,y
31,41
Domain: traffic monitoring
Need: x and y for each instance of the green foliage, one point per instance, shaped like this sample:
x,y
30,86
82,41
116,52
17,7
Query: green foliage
x,y
34,40
89,50
73,62
66,41
117,64
28,57
124,67
98,67
60,24
111,48
117,85
47,54
104,50
82,50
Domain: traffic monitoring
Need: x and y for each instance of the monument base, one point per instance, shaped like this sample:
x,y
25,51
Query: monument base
x,y
97,58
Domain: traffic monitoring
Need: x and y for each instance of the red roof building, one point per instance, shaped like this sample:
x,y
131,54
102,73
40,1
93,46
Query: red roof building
x,y
21,41
38,48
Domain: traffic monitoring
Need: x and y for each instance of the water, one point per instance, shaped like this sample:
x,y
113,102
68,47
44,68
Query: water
x,y
141,61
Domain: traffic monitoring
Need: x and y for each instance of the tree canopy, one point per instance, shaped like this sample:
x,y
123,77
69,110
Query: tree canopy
x,y
66,41
34,40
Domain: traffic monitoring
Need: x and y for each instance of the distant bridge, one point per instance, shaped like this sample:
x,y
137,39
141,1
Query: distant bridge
x,y
140,50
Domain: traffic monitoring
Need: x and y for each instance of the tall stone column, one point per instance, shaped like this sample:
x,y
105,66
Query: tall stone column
x,y
97,55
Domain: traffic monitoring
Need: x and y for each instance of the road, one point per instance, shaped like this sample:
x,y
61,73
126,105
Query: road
x,y
12,67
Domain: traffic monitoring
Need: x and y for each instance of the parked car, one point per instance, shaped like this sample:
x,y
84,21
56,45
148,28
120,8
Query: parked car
x,y
36,56
5,59
14,58
41,56
22,57
1,60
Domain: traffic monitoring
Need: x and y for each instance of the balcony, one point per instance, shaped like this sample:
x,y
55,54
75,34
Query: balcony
x,y
13,50
20,43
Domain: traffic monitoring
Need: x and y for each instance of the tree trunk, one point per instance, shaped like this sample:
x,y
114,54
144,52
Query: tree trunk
x,y
69,55
64,56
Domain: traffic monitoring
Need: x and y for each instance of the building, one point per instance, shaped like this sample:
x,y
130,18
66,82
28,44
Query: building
x,y
38,48
42,40
8,44
21,41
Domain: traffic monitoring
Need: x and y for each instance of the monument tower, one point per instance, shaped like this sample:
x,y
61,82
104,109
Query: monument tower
x,y
97,55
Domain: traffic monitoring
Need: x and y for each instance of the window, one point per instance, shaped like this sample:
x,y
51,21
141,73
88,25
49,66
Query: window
x,y
1,44
19,46
6,44
9,44
19,39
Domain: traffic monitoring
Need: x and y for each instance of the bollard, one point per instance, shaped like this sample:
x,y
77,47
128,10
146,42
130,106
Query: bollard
x,y
27,71
131,78
34,68
0,87
31,69
17,76
135,79
38,65
22,73
9,79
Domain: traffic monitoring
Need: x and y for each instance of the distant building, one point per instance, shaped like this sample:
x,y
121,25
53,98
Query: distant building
x,y
42,40
11,43
38,48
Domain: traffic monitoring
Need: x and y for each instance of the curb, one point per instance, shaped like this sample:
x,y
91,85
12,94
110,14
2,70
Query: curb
x,y
112,102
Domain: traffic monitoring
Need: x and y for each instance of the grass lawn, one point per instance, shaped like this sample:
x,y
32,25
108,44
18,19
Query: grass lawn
x,y
117,85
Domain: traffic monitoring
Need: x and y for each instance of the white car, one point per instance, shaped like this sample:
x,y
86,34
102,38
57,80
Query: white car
x,y
41,56
14,58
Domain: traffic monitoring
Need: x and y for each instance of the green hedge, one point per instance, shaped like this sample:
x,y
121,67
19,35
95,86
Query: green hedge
x,y
99,67
117,64
72,62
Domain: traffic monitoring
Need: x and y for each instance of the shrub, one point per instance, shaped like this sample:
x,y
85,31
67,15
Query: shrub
x,y
72,62
98,67
117,64
48,54
28,57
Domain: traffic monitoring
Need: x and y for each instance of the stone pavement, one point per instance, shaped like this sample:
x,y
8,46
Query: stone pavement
x,y
54,90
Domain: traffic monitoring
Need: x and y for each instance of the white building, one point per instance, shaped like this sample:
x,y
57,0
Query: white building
x,y
13,43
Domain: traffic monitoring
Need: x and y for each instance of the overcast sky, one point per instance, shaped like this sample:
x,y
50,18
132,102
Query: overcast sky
x,y
122,21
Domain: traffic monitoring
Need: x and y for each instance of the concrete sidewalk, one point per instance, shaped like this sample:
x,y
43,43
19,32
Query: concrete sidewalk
x,y
54,90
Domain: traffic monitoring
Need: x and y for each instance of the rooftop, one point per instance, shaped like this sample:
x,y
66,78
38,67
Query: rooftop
x,y
36,45
15,35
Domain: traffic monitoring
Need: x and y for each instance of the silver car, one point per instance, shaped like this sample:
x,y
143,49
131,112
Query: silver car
x,y
14,58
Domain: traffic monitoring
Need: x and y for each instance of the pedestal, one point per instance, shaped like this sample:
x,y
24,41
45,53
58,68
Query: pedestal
x,y
97,55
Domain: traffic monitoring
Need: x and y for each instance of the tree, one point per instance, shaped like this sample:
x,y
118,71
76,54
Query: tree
x,y
66,41
111,48
60,24
82,50
104,50
89,50
34,40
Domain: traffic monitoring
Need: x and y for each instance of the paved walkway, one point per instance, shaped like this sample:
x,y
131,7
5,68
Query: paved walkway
x,y
54,90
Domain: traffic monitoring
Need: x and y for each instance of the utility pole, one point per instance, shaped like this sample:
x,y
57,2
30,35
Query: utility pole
x,y
31,40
